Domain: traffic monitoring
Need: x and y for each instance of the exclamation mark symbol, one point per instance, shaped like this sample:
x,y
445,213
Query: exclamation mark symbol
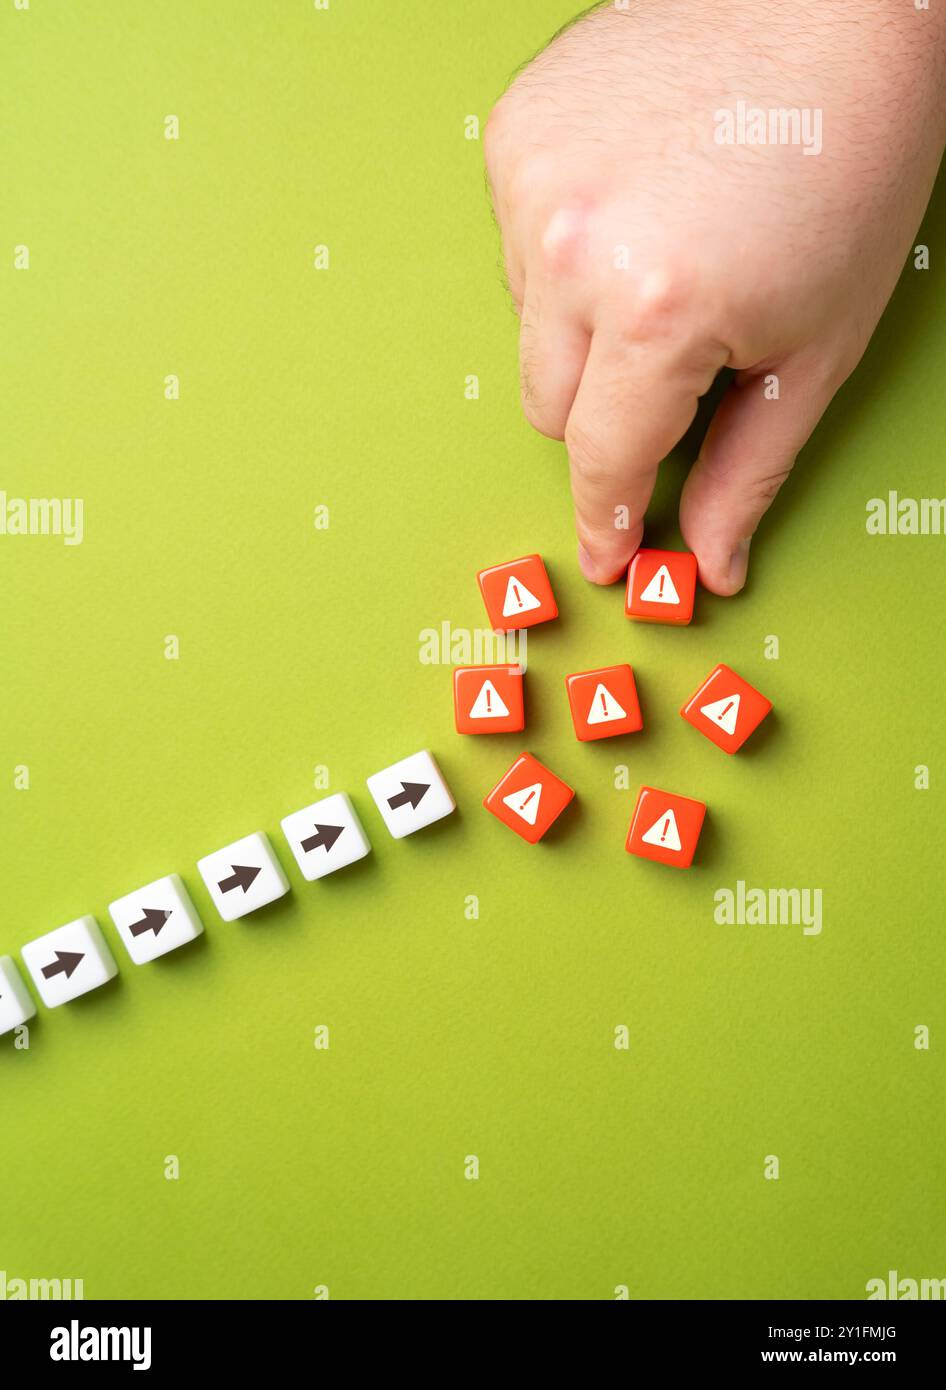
x,y
725,711
489,697
660,588
528,799
515,590
604,705
667,821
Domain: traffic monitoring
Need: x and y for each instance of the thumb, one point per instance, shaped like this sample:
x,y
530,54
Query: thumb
x,y
748,452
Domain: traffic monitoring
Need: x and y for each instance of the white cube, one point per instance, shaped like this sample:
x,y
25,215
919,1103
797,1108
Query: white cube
x,y
411,794
243,877
69,961
16,1003
156,919
326,836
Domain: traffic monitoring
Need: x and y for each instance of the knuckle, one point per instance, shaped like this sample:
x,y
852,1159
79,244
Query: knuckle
x,y
728,476
835,373
528,397
532,407
590,462
541,411
827,373
544,404
764,486
656,300
564,236
543,417
535,406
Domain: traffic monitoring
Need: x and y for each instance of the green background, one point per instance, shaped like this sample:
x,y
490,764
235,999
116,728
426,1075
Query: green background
x,y
300,647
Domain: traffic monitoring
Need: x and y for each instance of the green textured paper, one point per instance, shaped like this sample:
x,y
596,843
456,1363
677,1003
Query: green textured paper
x,y
449,1038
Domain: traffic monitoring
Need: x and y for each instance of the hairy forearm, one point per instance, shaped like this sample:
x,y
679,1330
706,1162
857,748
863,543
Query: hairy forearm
x,y
893,48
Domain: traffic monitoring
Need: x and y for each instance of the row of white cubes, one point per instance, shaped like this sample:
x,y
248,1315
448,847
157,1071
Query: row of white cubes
x,y
242,877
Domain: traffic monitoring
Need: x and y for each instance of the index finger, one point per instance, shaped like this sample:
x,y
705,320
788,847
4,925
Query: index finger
x,y
634,402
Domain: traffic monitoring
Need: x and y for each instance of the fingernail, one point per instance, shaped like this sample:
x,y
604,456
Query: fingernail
x,y
739,563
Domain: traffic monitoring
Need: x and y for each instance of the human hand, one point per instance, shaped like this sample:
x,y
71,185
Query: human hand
x,y
643,254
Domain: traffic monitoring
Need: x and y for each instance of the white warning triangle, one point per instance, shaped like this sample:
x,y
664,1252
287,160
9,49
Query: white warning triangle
x,y
488,704
519,599
660,589
604,707
525,802
663,832
723,712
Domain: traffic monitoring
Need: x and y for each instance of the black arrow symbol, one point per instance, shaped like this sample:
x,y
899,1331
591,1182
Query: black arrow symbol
x,y
64,964
242,876
409,795
153,920
324,837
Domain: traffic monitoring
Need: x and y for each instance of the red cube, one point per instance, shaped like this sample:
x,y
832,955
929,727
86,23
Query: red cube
x,y
517,594
665,827
604,703
726,709
661,586
488,699
528,798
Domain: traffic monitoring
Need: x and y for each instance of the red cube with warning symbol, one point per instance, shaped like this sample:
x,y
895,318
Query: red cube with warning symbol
x,y
665,827
528,798
517,594
488,699
661,586
726,708
604,702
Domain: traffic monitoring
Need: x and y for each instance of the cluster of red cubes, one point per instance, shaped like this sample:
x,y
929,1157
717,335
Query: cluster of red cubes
x,y
528,798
